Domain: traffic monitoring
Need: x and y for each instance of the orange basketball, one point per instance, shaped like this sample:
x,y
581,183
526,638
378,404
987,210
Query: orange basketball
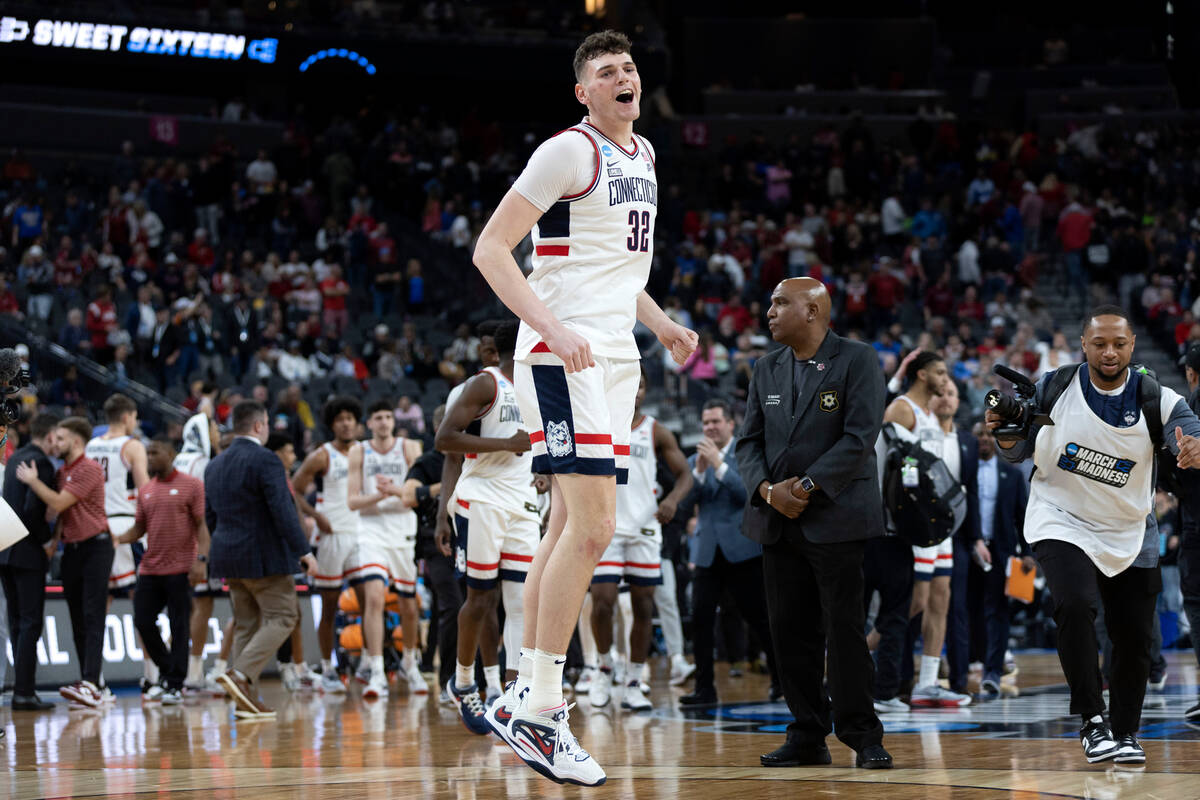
x,y
348,602
398,637
393,602
351,637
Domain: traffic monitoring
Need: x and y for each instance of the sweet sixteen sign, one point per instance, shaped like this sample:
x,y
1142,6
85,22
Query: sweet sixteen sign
x,y
147,41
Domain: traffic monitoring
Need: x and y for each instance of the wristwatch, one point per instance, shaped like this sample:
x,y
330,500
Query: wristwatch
x,y
203,559
807,484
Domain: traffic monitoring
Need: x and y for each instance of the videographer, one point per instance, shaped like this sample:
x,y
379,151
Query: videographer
x,y
1090,521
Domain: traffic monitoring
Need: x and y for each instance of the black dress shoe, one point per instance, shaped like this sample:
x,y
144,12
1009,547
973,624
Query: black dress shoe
x,y
30,702
873,756
795,754
701,698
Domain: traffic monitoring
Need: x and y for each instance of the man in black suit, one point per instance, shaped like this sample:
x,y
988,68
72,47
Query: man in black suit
x,y
23,566
1003,493
257,544
807,458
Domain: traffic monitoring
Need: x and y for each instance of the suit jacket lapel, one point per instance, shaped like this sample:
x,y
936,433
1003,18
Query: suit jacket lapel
x,y
818,374
781,373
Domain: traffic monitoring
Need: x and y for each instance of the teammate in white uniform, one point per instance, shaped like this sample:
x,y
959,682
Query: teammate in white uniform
x,y
122,456
497,526
199,434
635,553
387,542
337,523
932,566
592,193
1091,522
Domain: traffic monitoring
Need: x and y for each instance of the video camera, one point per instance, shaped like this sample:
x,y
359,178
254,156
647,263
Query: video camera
x,y
1019,413
13,378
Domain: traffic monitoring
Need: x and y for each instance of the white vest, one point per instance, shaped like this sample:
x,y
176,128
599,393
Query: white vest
x,y
637,501
500,478
335,489
1093,484
120,495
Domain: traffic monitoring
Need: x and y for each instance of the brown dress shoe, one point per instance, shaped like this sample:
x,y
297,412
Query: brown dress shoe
x,y
249,706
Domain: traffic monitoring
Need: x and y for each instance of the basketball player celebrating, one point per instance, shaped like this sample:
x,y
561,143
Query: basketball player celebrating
x,y
592,194
336,522
387,542
635,553
932,566
122,456
496,521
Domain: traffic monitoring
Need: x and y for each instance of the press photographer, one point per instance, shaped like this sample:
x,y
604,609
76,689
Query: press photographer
x,y
1094,433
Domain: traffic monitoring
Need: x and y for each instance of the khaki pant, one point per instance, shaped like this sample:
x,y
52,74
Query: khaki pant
x,y
265,612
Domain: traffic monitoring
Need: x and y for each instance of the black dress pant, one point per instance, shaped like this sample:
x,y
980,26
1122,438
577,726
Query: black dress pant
x,y
745,584
815,598
25,593
887,567
1189,582
448,599
154,593
1078,590
979,620
84,569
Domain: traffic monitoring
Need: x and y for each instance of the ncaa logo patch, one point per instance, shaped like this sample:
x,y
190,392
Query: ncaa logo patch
x,y
558,439
608,151
829,401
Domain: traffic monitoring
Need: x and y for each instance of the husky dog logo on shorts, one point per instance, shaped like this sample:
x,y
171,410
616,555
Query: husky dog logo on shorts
x,y
558,439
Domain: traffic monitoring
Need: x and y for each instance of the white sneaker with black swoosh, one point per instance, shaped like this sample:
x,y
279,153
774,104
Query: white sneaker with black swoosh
x,y
544,741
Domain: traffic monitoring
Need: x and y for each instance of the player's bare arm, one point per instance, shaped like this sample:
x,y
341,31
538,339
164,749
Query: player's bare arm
x,y
679,340
668,451
509,224
316,463
356,500
451,470
901,412
477,396
134,453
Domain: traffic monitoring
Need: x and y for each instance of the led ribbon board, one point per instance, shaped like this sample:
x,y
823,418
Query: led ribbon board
x,y
100,37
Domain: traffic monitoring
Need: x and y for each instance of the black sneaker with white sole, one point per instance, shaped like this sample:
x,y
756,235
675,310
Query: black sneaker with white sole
x,y
1192,715
1098,742
1129,750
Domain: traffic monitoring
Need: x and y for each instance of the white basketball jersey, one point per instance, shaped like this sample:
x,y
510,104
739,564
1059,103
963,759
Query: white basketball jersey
x,y
334,491
1092,485
120,494
389,519
192,464
500,478
637,501
593,248
927,430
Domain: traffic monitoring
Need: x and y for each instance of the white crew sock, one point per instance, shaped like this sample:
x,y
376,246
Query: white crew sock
x,y
220,666
545,692
377,667
606,661
464,675
326,666
409,660
929,670
492,676
524,670
195,672
634,676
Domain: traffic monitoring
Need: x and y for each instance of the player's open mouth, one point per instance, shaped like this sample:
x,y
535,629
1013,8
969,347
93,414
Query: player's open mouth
x,y
625,96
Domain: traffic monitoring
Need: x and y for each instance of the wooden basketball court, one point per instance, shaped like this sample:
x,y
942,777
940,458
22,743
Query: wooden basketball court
x,y
323,747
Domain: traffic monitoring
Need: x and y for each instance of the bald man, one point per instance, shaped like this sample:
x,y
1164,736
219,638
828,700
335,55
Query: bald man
x,y
807,458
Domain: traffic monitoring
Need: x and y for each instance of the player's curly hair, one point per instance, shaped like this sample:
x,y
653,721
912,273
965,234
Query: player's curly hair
x,y
598,44
337,405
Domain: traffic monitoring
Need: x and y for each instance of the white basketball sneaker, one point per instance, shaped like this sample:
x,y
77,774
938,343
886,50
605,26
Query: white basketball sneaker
x,y
544,741
633,699
601,691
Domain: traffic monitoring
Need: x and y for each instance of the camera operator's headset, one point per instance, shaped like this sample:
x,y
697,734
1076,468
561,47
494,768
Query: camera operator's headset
x,y
1149,395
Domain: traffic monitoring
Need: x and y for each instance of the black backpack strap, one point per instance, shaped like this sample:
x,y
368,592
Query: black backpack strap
x,y
1150,403
1059,381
